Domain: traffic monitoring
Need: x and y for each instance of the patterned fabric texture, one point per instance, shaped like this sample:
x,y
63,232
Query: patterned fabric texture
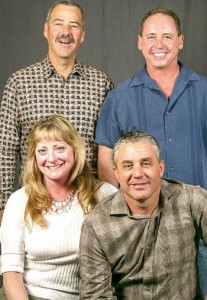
x,y
39,90
125,257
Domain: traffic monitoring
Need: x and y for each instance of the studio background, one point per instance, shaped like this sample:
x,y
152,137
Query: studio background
x,y
111,34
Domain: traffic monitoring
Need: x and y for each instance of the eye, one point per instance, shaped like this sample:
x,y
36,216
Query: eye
x,y
150,37
60,148
146,164
127,167
58,24
167,37
75,26
42,151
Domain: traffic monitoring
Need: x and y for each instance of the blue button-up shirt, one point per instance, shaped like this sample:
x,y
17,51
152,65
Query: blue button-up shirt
x,y
179,123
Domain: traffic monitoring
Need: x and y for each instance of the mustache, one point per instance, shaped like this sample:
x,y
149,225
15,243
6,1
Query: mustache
x,y
67,38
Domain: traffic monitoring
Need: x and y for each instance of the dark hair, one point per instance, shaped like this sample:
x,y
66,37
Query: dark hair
x,y
67,3
136,137
164,11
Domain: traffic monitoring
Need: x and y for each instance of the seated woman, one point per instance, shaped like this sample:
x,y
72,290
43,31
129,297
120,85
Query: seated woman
x,y
42,221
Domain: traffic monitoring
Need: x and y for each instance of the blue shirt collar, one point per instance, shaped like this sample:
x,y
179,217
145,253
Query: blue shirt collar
x,y
142,77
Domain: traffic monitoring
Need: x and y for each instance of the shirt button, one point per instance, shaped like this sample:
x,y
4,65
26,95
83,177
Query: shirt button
x,y
167,113
147,269
171,167
170,140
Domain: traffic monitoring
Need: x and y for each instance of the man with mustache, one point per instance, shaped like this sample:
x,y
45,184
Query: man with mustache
x,y
59,84
168,100
142,242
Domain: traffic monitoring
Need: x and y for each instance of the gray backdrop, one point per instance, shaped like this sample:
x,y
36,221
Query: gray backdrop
x,y
111,34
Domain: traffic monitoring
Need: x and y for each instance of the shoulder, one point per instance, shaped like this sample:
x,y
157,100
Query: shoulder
x,y
18,199
24,72
192,76
15,206
183,191
101,213
104,191
90,71
126,88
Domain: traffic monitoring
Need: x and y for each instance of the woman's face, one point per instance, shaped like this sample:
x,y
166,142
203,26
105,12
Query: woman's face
x,y
55,160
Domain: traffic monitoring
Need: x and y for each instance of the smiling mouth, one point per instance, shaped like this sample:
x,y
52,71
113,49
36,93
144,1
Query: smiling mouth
x,y
159,54
65,42
139,185
54,167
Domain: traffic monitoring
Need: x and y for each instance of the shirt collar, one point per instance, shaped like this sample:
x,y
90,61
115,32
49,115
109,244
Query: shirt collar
x,y
118,205
49,70
142,77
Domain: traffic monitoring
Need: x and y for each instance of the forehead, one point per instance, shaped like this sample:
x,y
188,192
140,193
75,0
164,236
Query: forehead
x,y
48,135
136,151
49,142
157,21
65,11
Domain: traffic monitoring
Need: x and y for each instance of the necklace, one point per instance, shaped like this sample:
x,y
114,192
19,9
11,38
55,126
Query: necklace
x,y
64,206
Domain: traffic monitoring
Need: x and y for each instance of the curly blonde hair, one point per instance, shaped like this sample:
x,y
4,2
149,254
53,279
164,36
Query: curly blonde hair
x,y
56,127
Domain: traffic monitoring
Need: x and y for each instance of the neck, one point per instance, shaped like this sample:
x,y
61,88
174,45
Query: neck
x,y
165,78
63,66
58,191
164,73
142,207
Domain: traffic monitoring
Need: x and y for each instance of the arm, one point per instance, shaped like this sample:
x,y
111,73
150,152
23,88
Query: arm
x,y
9,141
106,165
95,271
14,286
12,250
1,215
107,132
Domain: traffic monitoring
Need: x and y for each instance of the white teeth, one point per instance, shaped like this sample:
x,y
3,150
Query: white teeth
x,y
159,54
53,167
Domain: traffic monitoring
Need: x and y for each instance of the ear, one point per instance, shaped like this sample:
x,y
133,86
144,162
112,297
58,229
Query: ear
x,y
45,30
139,42
162,167
116,173
181,41
83,36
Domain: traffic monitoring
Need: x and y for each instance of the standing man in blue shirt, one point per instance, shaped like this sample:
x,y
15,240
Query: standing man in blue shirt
x,y
165,98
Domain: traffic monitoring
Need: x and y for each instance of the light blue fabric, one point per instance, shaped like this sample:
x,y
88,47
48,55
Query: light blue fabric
x,y
179,125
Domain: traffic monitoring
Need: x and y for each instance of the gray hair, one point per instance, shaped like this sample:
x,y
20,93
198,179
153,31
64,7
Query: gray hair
x,y
136,137
164,11
67,3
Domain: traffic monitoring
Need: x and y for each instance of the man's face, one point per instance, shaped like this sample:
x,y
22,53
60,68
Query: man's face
x,y
64,32
160,42
139,172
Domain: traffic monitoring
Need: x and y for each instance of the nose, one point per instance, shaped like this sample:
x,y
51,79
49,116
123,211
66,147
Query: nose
x,y
137,171
51,156
67,30
158,42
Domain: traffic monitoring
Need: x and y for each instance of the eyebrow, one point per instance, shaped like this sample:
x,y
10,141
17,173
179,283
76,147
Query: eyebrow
x,y
126,161
142,159
71,22
146,158
59,20
165,33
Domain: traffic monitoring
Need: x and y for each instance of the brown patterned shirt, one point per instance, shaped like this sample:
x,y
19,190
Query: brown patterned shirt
x,y
124,257
39,90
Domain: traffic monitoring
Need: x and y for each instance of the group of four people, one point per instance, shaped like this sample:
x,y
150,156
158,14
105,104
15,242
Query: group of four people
x,y
138,243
